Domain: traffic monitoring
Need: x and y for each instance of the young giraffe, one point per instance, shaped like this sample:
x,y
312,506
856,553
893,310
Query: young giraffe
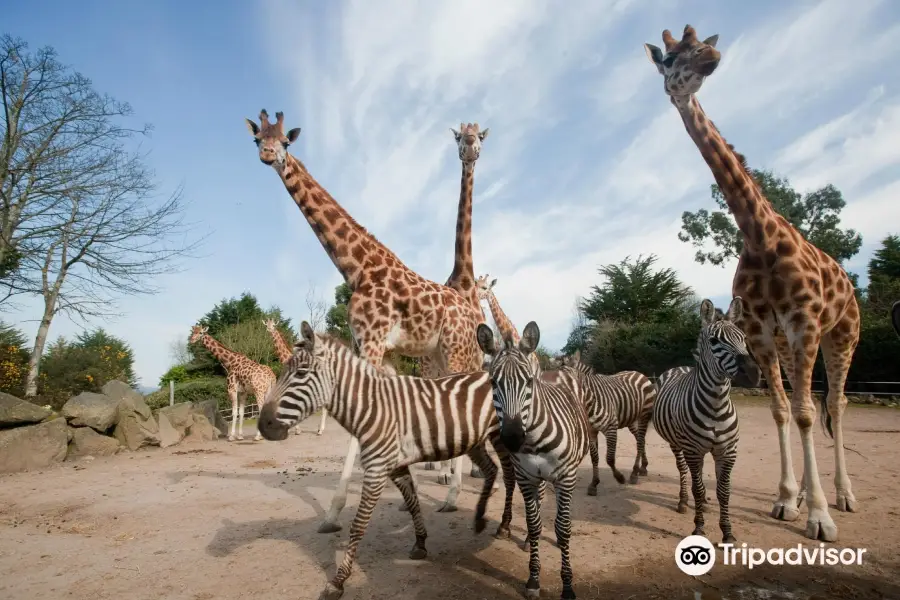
x,y
284,354
391,307
504,325
462,279
244,375
798,297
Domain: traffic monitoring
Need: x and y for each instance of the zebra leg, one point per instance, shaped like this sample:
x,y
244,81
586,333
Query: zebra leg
x,y
724,465
455,482
636,469
402,478
330,524
480,457
531,493
373,484
539,500
695,464
322,422
564,488
611,438
641,438
509,482
682,465
595,465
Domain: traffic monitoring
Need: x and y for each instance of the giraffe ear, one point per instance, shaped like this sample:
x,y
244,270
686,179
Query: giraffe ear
x,y
484,134
707,312
711,40
455,133
531,335
735,309
253,127
307,336
485,339
293,134
493,283
654,54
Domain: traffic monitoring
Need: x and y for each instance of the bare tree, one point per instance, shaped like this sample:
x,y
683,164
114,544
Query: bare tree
x,y
179,352
316,308
61,139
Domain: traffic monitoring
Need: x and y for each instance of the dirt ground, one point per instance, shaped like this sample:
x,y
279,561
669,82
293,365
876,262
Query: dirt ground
x,y
238,520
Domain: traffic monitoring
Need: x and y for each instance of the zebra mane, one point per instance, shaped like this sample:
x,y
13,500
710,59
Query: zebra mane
x,y
341,348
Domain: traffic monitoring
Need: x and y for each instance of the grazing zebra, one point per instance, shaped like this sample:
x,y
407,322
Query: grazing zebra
x,y
695,415
613,402
398,421
546,430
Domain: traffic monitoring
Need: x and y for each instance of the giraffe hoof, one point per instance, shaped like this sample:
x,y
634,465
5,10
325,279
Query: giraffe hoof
x,y
239,437
331,592
592,490
847,503
418,553
443,479
429,466
328,527
785,511
230,438
318,433
476,473
821,527
682,507
446,507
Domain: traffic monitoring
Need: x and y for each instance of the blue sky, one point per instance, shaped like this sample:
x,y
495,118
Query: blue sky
x,y
586,162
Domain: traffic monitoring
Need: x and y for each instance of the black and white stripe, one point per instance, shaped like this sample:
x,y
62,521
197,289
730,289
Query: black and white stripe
x,y
694,412
398,421
546,430
613,402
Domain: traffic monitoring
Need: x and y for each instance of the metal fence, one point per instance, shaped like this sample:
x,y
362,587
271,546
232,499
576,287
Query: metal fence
x,y
820,386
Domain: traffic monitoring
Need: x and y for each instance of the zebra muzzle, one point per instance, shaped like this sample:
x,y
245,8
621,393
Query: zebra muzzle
x,y
269,426
750,369
512,434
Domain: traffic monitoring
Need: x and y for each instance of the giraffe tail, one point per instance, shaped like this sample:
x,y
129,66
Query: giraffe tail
x,y
826,416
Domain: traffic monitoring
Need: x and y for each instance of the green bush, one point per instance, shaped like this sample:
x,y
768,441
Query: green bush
x,y
195,390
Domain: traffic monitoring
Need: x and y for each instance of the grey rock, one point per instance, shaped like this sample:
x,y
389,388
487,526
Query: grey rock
x,y
128,397
33,446
87,442
168,434
15,412
88,409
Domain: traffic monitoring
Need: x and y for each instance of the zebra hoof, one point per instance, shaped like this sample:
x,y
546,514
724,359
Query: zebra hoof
x,y
728,539
502,532
682,507
619,477
443,479
633,479
418,553
328,527
331,592
592,490
643,471
699,531
532,589
403,507
447,508
480,524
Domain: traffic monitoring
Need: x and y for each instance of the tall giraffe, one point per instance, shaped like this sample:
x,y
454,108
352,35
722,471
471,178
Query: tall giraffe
x,y
284,352
504,325
468,138
243,376
391,306
797,297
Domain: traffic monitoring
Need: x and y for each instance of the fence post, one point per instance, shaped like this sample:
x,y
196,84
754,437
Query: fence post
x,y
171,392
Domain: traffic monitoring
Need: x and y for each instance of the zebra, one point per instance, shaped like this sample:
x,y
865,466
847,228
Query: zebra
x,y
613,402
694,413
546,430
398,420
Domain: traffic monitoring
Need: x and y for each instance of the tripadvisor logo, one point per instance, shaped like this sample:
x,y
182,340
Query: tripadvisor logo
x,y
695,555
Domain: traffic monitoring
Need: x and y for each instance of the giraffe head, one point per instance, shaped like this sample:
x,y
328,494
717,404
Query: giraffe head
x,y
722,343
270,325
468,139
197,333
484,287
685,64
271,139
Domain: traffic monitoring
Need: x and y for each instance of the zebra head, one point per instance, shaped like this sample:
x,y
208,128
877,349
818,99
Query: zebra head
x,y
722,345
306,384
512,380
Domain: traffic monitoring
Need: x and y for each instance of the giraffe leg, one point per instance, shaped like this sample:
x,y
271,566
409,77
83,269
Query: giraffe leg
x,y
446,474
430,370
803,339
787,363
838,346
330,524
765,352
595,464
636,469
260,399
242,400
322,422
233,394
455,482
612,434
373,486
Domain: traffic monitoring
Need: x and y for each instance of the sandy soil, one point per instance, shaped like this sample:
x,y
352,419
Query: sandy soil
x,y
238,520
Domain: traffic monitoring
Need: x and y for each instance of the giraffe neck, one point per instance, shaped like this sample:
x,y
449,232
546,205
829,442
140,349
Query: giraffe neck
x,y
281,347
752,211
462,279
504,325
228,358
346,242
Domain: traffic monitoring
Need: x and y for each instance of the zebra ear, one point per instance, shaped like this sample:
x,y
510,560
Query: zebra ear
x,y
485,339
707,312
307,336
735,309
531,335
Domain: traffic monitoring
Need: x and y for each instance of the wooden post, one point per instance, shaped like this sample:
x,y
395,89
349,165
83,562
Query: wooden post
x,y
171,392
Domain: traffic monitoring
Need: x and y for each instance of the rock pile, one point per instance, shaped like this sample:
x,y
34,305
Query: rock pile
x,y
90,424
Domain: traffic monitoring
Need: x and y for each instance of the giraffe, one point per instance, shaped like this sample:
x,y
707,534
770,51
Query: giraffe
x,y
244,375
504,325
284,353
798,298
391,306
468,138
